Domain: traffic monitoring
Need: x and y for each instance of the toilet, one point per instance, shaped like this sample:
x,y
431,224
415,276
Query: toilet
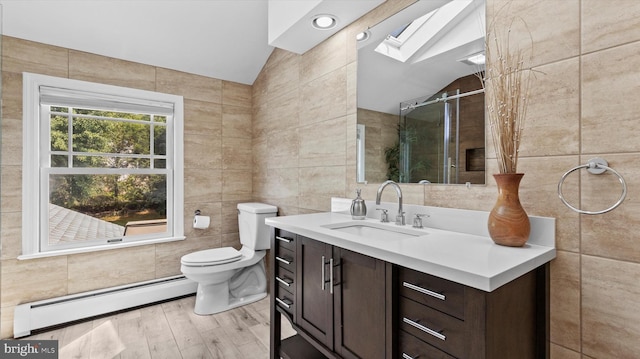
x,y
228,278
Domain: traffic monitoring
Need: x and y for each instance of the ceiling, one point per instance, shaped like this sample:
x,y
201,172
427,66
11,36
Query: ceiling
x,y
390,75
225,39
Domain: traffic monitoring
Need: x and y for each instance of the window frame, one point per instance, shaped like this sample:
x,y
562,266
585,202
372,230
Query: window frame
x,y
36,169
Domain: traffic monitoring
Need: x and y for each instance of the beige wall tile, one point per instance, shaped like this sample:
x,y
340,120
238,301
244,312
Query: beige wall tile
x,y
325,58
281,150
282,184
30,280
202,185
611,23
318,184
202,118
323,143
89,271
236,94
565,300
554,37
11,235
324,98
610,112
11,95
231,240
552,124
558,352
6,321
282,113
237,185
203,152
105,70
236,122
611,234
11,188
610,311
282,74
352,86
236,153
192,87
230,217
11,150
27,56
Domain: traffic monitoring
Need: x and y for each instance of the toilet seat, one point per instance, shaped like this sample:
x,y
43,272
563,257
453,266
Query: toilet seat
x,y
211,257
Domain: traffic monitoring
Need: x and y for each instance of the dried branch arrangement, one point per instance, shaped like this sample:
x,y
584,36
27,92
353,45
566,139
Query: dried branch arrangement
x,y
507,83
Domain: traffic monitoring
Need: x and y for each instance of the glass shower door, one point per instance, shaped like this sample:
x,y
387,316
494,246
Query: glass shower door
x,y
429,142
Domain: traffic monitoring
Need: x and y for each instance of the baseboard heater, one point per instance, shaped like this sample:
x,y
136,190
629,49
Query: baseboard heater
x,y
55,311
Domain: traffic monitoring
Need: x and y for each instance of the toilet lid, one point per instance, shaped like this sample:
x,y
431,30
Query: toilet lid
x,y
212,257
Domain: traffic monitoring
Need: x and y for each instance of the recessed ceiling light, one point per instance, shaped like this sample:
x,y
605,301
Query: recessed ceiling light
x,y
324,22
363,36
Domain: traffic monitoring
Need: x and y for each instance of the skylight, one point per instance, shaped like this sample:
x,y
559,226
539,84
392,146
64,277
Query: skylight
x,y
405,42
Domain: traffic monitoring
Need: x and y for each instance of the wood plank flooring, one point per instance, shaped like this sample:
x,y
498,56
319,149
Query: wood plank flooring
x,y
170,330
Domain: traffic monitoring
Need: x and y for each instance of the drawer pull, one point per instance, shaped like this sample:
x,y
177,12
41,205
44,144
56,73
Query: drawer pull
x,y
285,239
407,356
285,261
286,281
424,329
286,302
424,291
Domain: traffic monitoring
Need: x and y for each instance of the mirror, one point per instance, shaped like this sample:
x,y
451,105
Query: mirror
x,y
420,102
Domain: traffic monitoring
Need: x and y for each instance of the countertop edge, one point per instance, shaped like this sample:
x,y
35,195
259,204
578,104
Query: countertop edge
x,y
488,283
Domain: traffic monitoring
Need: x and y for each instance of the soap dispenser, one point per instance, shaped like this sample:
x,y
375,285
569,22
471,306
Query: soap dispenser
x,y
358,207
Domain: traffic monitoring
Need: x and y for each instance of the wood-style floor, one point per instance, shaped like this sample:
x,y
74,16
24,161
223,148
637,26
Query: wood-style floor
x,y
169,330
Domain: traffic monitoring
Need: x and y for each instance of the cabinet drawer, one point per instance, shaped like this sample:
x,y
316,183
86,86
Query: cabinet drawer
x,y
285,300
436,328
285,239
285,259
411,347
438,293
285,280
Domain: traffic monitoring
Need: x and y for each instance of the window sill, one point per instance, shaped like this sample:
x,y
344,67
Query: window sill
x,y
104,247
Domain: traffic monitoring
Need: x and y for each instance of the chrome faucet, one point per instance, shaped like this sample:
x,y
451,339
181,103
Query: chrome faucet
x,y
400,216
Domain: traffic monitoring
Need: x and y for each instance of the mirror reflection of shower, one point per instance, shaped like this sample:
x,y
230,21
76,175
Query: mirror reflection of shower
x,y
434,133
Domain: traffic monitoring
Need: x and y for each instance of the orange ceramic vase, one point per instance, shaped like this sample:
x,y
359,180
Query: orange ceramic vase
x,y
508,222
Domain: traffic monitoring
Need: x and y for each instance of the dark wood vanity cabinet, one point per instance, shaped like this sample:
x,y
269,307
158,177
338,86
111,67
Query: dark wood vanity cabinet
x,y
341,299
340,302
348,305
438,318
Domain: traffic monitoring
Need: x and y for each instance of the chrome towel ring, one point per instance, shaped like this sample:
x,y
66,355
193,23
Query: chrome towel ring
x,y
594,166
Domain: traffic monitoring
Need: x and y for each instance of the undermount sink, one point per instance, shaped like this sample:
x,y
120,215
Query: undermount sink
x,y
375,230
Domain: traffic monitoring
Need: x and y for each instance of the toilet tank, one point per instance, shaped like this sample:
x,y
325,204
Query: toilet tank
x,y
254,233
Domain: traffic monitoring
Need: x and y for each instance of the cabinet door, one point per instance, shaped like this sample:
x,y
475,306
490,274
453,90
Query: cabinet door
x,y
314,310
359,306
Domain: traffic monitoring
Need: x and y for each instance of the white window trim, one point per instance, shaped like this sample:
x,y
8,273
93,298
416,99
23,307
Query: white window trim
x,y
31,213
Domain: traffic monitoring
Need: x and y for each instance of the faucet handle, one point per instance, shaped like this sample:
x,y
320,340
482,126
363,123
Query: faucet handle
x,y
384,217
417,221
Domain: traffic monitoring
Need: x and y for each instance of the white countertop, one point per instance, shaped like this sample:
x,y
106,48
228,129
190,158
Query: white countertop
x,y
472,260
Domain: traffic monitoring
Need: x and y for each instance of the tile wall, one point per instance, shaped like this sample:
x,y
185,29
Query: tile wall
x,y
218,174
302,127
583,105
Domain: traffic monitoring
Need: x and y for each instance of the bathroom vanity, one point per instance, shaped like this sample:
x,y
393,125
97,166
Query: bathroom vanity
x,y
365,289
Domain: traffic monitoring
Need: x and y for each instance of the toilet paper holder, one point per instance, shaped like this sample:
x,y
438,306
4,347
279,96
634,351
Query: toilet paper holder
x,y
199,221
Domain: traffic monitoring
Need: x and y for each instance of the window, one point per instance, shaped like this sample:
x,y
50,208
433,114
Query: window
x,y
102,167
